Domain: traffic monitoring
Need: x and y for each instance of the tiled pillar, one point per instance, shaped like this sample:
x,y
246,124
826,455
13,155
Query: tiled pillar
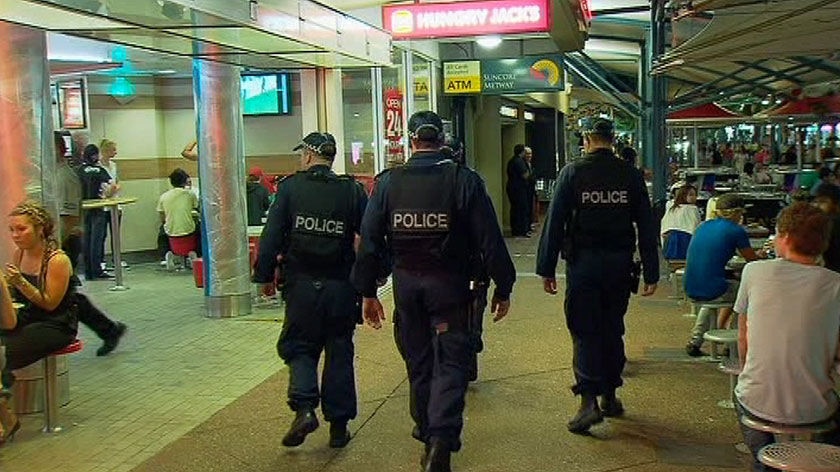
x,y
221,170
27,162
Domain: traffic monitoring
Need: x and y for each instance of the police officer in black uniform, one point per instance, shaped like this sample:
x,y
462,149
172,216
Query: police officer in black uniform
x,y
312,227
428,217
596,203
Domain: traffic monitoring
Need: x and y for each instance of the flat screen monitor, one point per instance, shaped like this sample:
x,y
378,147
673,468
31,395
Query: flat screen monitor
x,y
71,104
266,94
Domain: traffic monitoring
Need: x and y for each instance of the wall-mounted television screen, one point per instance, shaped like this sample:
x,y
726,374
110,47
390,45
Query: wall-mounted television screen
x,y
266,94
71,104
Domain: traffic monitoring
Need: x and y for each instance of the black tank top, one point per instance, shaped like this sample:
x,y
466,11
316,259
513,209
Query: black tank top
x,y
64,316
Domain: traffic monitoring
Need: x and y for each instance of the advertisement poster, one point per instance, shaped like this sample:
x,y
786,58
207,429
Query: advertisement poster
x,y
394,125
71,104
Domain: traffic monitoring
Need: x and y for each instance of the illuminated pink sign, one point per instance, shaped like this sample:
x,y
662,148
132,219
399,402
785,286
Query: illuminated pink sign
x,y
447,20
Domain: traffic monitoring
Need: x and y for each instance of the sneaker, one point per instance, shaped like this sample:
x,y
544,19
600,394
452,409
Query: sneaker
x,y
170,260
112,342
587,415
693,351
611,406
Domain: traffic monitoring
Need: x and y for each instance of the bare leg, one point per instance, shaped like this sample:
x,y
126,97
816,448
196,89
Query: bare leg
x,y
723,316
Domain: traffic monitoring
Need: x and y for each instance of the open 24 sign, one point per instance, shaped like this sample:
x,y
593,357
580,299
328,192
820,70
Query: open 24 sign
x,y
393,115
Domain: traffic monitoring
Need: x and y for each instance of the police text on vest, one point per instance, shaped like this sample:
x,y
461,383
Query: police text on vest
x,y
604,197
420,221
314,224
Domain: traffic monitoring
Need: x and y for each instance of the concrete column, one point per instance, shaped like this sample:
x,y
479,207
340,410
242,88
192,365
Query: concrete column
x,y
221,169
334,119
27,156
309,100
489,156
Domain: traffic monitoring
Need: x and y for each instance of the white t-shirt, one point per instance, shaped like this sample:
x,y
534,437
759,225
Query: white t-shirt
x,y
685,218
177,205
793,331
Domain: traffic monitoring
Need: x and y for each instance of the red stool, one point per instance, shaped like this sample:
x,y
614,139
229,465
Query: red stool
x,y
184,246
51,386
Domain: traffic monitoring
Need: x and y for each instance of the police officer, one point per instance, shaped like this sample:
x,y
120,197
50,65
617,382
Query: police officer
x,y
429,215
596,203
312,226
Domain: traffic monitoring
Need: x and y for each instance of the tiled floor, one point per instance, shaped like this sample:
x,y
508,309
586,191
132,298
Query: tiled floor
x,y
187,393
174,369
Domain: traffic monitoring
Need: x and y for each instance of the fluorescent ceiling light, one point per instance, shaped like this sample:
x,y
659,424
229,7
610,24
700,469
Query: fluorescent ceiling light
x,y
489,42
167,71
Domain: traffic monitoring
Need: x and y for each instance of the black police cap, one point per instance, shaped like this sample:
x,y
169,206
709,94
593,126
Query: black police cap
x,y
315,142
425,120
600,126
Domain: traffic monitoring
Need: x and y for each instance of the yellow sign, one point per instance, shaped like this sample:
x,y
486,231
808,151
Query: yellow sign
x,y
462,77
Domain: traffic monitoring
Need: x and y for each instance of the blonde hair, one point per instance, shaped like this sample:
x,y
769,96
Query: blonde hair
x,y
40,218
106,145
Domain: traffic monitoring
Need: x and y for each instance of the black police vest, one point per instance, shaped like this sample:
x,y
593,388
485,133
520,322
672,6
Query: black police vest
x,y
321,238
421,218
605,199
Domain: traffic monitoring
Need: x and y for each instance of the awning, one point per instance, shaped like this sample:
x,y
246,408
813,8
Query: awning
x,y
809,106
709,112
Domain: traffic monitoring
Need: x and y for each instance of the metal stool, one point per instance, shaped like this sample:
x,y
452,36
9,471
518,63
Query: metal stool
x,y
785,432
676,268
721,336
801,457
51,405
732,367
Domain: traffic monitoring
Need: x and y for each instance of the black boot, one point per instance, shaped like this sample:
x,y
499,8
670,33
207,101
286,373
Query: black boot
x,y
111,343
437,458
305,422
611,406
587,415
339,435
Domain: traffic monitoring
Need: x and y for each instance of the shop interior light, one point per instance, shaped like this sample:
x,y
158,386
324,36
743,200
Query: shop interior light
x,y
766,101
489,42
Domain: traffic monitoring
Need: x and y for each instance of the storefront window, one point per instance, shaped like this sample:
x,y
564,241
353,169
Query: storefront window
x,y
422,75
359,123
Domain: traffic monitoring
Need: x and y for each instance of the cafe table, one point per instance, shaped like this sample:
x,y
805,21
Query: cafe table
x,y
113,204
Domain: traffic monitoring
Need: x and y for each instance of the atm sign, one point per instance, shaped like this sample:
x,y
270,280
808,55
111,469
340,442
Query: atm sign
x,y
462,77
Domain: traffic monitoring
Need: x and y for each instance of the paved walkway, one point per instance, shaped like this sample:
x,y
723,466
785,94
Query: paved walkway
x,y
186,393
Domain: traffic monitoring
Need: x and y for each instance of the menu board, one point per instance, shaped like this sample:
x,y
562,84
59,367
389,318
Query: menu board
x,y
71,104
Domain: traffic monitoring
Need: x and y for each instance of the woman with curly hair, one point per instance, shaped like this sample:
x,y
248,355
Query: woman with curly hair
x,y
39,278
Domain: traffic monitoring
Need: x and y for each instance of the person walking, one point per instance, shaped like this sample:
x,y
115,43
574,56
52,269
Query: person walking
x,y
518,175
312,226
597,202
423,222
96,184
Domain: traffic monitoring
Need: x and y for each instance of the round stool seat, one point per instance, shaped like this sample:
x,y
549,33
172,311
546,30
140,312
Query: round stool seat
x,y
714,305
801,456
788,429
75,346
726,336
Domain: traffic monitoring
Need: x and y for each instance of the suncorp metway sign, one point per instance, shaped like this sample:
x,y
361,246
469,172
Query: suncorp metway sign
x,y
446,20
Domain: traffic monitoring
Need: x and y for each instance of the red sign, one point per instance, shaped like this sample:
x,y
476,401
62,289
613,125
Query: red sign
x,y
394,124
446,20
587,11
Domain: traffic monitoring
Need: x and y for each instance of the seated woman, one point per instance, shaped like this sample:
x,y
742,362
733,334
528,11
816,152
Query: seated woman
x,y
788,331
8,320
681,218
40,280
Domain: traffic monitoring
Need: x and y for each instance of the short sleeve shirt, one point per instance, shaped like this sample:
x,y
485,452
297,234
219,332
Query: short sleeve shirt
x,y
177,205
714,243
793,326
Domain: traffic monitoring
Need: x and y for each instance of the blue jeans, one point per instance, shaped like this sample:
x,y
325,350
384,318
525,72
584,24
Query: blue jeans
x,y
96,225
755,440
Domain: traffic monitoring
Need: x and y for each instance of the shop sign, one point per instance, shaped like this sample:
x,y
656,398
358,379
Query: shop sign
x,y
421,80
394,124
587,11
501,76
466,18
462,77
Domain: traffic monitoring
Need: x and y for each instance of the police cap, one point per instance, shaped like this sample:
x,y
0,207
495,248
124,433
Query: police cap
x,y
598,126
426,126
322,144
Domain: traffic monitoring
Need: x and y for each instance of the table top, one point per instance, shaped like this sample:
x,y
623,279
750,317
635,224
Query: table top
x,y
106,202
255,231
813,457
